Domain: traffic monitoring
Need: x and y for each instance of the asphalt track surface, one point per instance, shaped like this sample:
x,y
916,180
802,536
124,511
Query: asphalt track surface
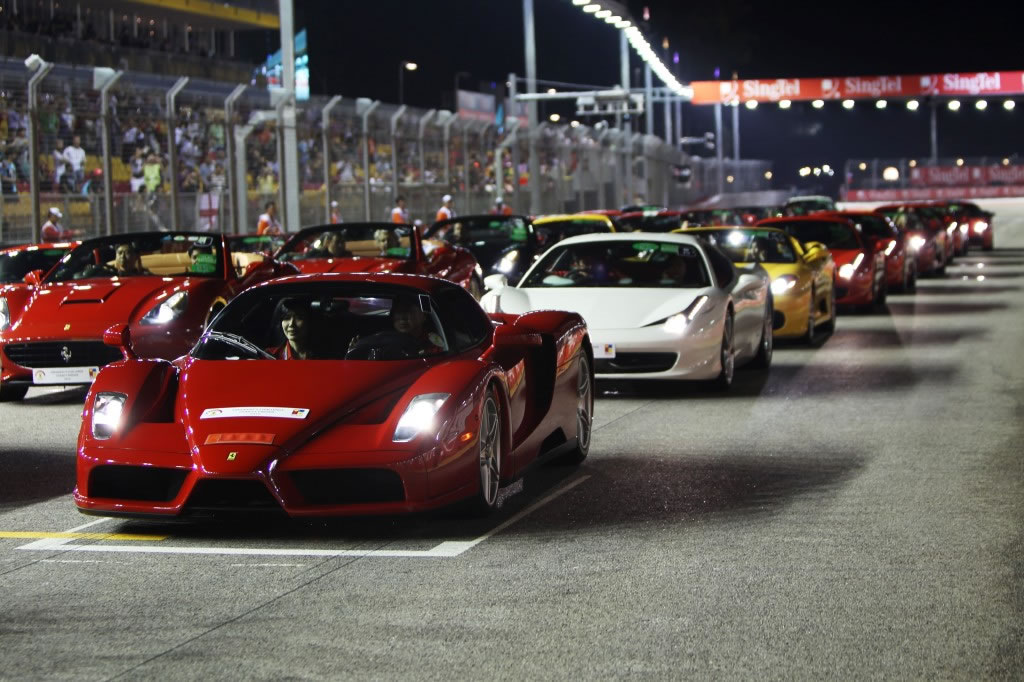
x,y
857,512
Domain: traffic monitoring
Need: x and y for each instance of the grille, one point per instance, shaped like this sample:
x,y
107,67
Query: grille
x,y
778,320
51,354
348,486
214,494
146,484
634,363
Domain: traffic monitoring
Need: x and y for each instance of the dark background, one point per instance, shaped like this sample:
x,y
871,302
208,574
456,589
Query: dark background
x,y
356,47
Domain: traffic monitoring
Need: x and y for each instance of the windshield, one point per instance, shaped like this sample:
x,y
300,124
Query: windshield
x,y
805,206
621,263
834,235
17,263
480,230
874,226
265,244
382,240
159,254
551,232
713,217
751,246
326,322
648,223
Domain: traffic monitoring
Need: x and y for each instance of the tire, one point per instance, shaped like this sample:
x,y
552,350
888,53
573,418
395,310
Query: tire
x,y
489,459
727,357
10,393
830,326
766,347
475,288
811,329
911,280
883,292
584,413
941,270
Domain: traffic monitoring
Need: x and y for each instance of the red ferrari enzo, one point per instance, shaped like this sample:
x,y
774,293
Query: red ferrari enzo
x,y
860,262
381,247
337,394
165,285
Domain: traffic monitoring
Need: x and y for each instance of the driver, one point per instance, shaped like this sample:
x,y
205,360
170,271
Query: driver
x,y
409,319
675,271
408,337
194,253
296,325
127,261
332,245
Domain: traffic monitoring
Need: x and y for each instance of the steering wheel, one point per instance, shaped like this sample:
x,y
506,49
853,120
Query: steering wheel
x,y
577,275
385,345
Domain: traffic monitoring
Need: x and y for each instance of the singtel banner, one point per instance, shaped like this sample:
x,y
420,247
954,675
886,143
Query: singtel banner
x,y
964,176
860,87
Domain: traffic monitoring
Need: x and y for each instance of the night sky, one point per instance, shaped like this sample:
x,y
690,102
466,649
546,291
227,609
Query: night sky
x,y
355,49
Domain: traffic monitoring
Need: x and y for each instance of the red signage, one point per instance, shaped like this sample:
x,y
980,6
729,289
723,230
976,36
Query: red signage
x,y
928,193
860,87
965,176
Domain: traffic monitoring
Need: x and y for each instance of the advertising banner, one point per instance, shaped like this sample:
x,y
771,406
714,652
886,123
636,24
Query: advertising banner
x,y
860,87
933,193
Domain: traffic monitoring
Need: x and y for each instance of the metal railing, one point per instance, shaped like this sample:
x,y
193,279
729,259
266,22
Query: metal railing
x,y
355,157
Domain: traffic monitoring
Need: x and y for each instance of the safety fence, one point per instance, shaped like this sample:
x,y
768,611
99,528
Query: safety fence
x,y
944,178
146,151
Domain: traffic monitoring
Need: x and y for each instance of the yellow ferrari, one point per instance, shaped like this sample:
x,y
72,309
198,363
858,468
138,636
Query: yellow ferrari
x,y
552,229
803,276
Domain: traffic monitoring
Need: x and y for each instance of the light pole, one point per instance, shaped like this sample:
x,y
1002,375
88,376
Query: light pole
x,y
404,66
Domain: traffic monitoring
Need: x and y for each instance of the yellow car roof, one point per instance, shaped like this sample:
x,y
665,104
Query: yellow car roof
x,y
576,218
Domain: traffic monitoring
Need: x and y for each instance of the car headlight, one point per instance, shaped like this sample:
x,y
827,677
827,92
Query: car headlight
x,y
419,416
5,314
847,271
980,226
781,285
917,242
167,310
508,262
964,228
106,414
891,247
677,323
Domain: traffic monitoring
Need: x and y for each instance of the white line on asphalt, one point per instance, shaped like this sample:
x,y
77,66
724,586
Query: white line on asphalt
x,y
59,543
267,565
446,550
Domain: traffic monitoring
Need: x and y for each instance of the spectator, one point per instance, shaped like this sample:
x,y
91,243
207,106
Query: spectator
x,y
137,165
447,208
191,181
268,223
52,230
8,176
501,208
74,155
59,168
151,173
218,179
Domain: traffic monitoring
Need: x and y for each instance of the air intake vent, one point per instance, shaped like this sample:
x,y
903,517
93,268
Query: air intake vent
x,y
146,484
348,486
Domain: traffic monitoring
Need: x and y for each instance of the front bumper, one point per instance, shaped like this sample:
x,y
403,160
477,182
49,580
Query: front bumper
x,y
790,314
857,290
653,353
115,482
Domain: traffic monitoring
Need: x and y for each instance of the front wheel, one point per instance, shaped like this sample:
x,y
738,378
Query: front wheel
x,y
763,359
727,357
830,326
489,460
809,335
584,413
9,393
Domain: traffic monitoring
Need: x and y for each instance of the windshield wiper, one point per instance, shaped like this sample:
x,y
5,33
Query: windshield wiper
x,y
239,342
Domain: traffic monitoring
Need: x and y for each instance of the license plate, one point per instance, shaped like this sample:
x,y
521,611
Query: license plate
x,y
604,351
64,375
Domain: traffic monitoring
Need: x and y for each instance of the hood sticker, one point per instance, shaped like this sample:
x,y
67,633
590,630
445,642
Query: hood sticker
x,y
278,412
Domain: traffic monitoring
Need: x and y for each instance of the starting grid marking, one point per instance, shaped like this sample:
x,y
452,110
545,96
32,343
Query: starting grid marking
x,y
61,541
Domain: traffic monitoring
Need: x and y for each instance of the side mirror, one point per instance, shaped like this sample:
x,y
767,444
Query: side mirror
x,y
34,277
814,250
119,336
495,282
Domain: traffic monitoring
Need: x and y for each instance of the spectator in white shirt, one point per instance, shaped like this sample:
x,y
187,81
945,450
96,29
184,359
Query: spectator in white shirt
x,y
74,155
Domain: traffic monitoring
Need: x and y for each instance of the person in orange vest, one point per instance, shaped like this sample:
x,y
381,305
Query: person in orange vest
x,y
501,208
335,213
268,222
445,212
399,215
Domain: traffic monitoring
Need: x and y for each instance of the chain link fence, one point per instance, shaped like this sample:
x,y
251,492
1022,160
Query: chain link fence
x,y
215,155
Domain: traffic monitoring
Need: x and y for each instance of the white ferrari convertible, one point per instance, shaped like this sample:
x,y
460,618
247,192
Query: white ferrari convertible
x,y
658,306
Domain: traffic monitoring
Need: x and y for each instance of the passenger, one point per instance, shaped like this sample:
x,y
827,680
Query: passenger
x,y
196,263
296,325
385,240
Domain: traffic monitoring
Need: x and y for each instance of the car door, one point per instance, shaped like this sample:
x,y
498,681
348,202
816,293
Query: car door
x,y
748,300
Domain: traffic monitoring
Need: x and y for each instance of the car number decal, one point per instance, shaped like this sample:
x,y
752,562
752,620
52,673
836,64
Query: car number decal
x,y
278,412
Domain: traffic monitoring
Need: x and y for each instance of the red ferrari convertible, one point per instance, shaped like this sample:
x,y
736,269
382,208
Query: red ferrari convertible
x,y
165,285
381,247
21,269
337,394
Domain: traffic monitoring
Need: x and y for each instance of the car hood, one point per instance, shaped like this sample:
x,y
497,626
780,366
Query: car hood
x,y
355,264
86,308
314,394
602,308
